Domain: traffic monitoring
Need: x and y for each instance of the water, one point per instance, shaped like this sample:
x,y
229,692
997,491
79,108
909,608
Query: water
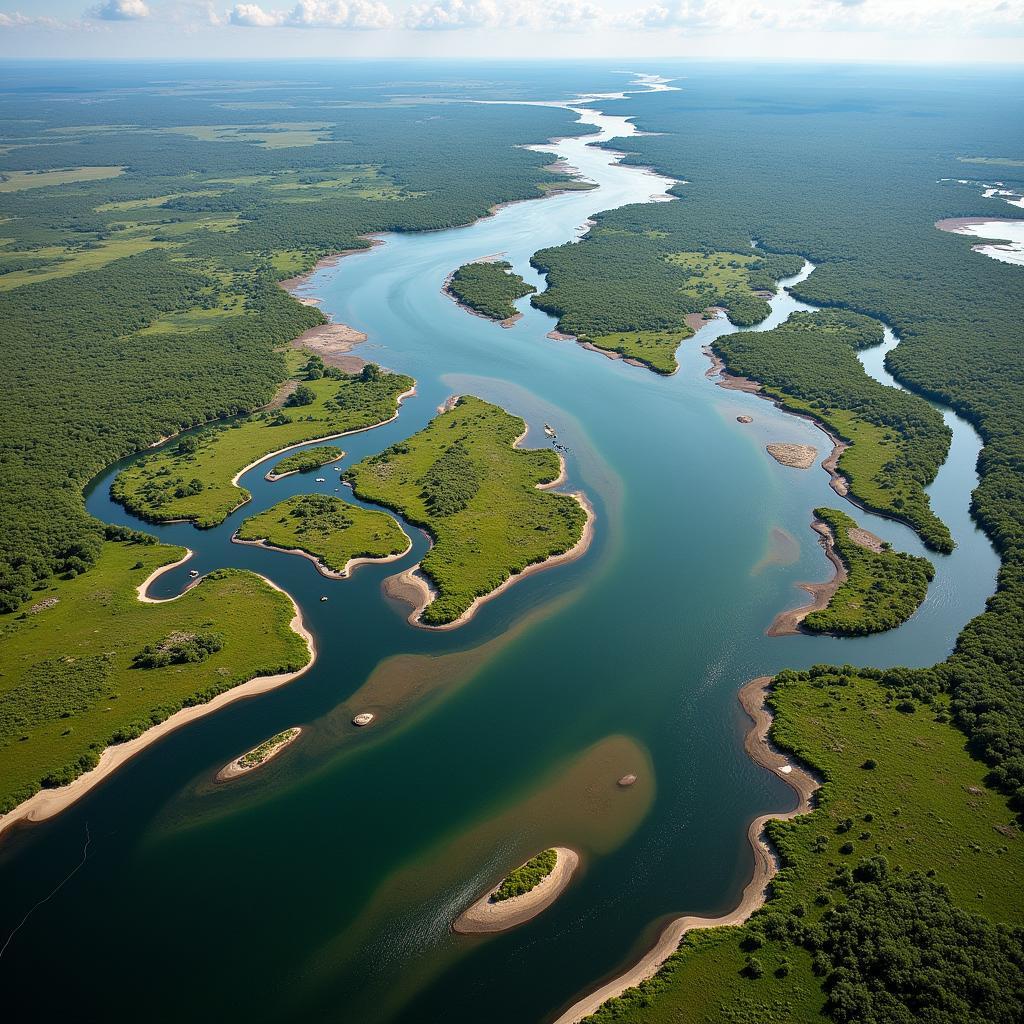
x,y
323,886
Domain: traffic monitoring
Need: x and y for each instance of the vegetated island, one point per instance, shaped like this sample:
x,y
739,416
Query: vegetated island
x,y
196,478
851,879
485,503
130,670
522,894
259,755
489,288
333,534
880,588
890,443
638,294
303,462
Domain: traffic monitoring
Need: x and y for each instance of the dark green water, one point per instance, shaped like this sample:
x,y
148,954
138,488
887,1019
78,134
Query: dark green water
x,y
323,886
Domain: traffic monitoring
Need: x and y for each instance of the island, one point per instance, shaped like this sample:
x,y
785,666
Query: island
x,y
259,755
196,477
485,502
303,462
489,288
522,894
333,534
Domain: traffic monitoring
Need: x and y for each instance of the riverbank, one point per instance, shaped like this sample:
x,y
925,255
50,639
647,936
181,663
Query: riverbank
x,y
49,802
753,700
787,623
488,915
332,574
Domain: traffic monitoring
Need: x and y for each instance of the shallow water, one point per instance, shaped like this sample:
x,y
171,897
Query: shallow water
x,y
323,886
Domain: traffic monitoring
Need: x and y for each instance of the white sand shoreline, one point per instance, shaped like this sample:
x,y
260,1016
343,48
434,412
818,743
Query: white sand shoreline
x,y
753,700
332,574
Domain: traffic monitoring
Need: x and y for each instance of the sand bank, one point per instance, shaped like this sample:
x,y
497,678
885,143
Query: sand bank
x,y
235,768
486,915
48,802
797,456
787,623
332,574
333,343
756,743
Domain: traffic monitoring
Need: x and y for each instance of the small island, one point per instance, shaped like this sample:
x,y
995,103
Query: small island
x,y
522,894
796,456
489,289
337,536
303,462
485,503
259,756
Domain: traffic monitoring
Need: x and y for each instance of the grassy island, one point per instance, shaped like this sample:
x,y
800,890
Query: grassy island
x,y
897,441
193,477
328,529
906,841
303,462
255,757
632,292
489,289
119,666
883,588
479,497
526,877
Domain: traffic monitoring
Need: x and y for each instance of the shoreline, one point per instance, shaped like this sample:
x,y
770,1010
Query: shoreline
x,y
47,803
788,623
234,769
332,574
271,477
487,917
509,321
753,700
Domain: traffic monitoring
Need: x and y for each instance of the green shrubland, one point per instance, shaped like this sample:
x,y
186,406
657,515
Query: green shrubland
x,y
489,288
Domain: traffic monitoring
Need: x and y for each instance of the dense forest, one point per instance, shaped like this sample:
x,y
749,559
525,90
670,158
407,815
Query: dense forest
x,y
489,288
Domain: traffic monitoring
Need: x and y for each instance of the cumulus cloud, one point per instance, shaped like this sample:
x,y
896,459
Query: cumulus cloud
x,y
461,14
357,14
120,10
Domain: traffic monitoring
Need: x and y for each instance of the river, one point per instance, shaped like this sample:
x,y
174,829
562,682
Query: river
x,y
323,886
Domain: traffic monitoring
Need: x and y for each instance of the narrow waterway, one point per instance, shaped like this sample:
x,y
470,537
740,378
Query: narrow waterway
x,y
323,887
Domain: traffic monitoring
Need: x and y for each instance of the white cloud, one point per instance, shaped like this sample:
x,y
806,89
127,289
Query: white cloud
x,y
357,14
503,14
119,10
18,20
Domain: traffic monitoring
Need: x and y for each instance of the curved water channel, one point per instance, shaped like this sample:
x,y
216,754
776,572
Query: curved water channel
x,y
324,886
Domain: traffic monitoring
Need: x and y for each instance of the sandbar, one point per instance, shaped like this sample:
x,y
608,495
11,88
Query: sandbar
x,y
787,623
486,915
797,456
235,768
752,699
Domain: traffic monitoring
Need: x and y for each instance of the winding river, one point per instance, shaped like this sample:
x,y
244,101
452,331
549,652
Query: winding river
x,y
323,886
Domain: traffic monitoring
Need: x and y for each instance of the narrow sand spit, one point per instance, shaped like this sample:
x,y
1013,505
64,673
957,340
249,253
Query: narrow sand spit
x,y
488,916
753,700
797,456
787,623
332,574
235,768
48,802
333,343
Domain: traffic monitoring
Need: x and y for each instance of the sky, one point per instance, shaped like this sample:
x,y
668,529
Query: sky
x,y
913,31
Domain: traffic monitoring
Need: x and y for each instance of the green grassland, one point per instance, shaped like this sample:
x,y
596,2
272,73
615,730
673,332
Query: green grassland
x,y
489,288
191,478
18,181
68,686
642,315
273,135
329,529
897,440
527,876
461,480
898,784
303,462
882,589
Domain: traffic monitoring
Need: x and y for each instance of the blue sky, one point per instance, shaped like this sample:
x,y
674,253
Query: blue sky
x,y
868,30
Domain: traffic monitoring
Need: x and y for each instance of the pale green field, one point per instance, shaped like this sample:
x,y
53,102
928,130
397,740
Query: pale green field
x,y
18,181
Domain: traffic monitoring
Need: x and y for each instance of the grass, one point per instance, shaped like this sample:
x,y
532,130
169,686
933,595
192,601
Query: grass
x,y
655,349
255,757
923,805
329,529
191,479
68,687
303,462
19,181
66,261
274,135
882,589
527,876
461,480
